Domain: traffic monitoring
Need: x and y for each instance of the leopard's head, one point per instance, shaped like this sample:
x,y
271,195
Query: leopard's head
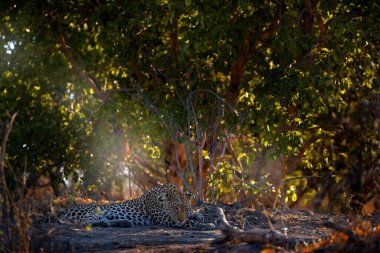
x,y
176,203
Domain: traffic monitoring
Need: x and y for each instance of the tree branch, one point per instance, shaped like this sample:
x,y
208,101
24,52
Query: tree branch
x,y
78,67
8,129
246,49
4,188
174,42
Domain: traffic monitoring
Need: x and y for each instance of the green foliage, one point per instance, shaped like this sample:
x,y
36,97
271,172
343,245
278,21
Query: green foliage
x,y
299,78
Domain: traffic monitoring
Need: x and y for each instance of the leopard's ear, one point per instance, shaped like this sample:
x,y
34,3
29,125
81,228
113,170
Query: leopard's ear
x,y
162,197
188,195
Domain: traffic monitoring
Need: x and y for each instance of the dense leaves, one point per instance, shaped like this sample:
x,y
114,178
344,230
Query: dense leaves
x,y
294,81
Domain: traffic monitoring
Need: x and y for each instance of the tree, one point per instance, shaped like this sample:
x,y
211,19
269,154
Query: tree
x,y
297,79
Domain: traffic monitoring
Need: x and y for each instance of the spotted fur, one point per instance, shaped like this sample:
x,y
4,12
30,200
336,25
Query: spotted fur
x,y
162,205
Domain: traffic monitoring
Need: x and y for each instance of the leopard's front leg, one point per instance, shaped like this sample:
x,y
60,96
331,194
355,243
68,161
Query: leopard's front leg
x,y
195,225
111,223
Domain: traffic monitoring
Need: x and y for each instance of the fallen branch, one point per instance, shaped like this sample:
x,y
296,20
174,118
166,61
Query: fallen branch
x,y
345,239
342,229
267,236
38,241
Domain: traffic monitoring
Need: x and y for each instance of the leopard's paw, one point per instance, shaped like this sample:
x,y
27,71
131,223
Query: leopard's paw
x,y
196,217
206,226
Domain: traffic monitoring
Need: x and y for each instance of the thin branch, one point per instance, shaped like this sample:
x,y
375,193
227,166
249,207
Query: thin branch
x,y
232,151
298,178
4,187
146,164
77,67
174,42
256,185
8,130
322,26
245,52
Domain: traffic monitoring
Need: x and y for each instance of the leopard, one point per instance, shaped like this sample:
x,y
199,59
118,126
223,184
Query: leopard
x,y
163,205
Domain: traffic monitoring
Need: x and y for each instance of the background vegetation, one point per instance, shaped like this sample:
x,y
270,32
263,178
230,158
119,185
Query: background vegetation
x,y
265,98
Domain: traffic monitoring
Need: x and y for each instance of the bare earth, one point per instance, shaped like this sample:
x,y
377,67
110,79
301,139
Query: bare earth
x,y
78,238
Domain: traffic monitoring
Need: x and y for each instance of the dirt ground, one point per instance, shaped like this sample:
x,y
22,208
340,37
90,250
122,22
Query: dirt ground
x,y
292,223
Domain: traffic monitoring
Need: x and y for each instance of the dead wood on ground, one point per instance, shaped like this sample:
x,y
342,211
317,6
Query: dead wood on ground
x,y
267,236
360,238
